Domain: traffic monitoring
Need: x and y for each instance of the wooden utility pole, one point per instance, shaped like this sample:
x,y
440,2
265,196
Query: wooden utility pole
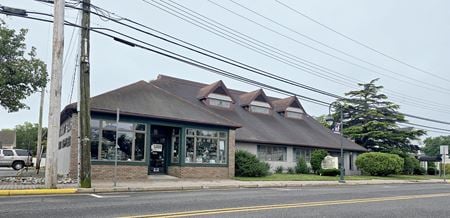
x,y
39,136
55,95
85,116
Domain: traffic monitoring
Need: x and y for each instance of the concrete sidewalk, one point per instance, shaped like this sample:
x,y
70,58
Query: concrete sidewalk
x,y
185,184
103,186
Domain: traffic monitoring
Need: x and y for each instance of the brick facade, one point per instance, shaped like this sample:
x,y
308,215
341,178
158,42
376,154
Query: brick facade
x,y
124,172
199,172
73,165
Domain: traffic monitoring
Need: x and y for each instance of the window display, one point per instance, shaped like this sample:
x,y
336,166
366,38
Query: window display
x,y
206,147
131,141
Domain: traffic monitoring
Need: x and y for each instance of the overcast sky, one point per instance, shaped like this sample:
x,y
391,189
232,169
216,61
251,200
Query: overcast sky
x,y
416,32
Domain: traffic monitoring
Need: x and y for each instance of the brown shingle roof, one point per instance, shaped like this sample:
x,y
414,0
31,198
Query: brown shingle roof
x,y
247,98
206,90
147,100
261,128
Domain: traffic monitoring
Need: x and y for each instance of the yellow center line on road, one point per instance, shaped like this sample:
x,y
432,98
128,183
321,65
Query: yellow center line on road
x,y
287,206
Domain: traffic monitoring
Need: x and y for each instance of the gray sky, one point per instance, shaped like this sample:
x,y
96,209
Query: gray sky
x,y
417,32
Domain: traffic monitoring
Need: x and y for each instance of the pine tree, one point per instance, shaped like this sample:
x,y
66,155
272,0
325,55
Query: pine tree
x,y
372,121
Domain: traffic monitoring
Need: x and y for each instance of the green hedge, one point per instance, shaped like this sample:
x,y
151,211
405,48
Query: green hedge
x,y
329,172
379,164
317,157
248,165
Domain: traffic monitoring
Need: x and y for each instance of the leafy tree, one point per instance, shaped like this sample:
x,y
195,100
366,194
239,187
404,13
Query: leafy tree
x,y
432,144
317,157
26,136
322,119
371,120
20,75
248,165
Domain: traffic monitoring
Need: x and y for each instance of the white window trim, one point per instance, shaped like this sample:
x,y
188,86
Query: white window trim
x,y
260,104
219,97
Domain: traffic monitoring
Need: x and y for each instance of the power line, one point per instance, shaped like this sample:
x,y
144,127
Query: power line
x,y
419,82
360,43
427,119
192,61
415,102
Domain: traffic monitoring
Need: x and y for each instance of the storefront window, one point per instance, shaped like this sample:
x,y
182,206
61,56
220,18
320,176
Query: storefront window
x,y
131,141
206,147
272,153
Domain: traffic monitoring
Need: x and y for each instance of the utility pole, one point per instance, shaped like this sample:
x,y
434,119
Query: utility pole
x,y
85,115
39,137
55,94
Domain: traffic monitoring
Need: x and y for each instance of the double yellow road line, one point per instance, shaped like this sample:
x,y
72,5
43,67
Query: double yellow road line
x,y
287,206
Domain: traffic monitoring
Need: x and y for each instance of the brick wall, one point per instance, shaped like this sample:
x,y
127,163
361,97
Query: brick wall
x,y
231,152
73,166
199,172
123,172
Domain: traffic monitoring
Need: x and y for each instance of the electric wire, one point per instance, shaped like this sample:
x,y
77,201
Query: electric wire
x,y
359,42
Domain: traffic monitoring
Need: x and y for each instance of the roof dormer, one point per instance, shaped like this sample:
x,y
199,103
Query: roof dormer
x,y
216,94
289,107
256,102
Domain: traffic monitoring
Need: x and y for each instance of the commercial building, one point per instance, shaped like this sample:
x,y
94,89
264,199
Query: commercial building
x,y
192,130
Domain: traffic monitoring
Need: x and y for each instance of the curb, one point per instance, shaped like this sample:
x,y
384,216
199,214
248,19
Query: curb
x,y
38,192
197,187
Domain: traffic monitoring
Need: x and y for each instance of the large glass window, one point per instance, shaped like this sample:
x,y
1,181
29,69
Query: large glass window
x,y
206,147
272,153
305,153
130,138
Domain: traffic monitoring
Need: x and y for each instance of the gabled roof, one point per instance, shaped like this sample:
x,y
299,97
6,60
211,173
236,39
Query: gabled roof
x,y
217,86
261,128
281,105
147,100
257,95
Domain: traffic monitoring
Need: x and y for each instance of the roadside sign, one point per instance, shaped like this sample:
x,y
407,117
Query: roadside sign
x,y
444,149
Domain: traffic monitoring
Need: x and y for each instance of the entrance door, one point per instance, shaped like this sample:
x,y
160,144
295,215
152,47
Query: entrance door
x,y
160,141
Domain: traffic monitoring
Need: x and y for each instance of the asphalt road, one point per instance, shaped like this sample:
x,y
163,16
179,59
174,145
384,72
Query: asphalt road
x,y
7,171
426,200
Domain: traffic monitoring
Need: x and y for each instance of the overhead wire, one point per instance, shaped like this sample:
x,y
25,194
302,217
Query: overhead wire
x,y
418,82
414,103
359,42
177,57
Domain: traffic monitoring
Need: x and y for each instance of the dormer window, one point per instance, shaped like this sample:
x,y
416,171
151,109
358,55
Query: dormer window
x,y
259,107
218,100
289,107
292,112
256,102
216,95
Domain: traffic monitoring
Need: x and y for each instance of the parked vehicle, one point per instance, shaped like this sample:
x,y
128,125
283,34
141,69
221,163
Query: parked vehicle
x,y
15,158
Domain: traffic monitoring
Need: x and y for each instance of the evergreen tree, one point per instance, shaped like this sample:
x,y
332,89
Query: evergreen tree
x,y
371,120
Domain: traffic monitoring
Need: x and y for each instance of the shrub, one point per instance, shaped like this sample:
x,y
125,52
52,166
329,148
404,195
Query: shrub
x,y
329,172
301,167
290,170
247,164
317,157
410,165
432,171
279,169
419,171
379,164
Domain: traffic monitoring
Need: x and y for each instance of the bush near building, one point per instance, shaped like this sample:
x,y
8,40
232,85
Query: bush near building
x,y
301,167
432,171
317,157
379,164
248,165
279,169
329,172
290,170
411,165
